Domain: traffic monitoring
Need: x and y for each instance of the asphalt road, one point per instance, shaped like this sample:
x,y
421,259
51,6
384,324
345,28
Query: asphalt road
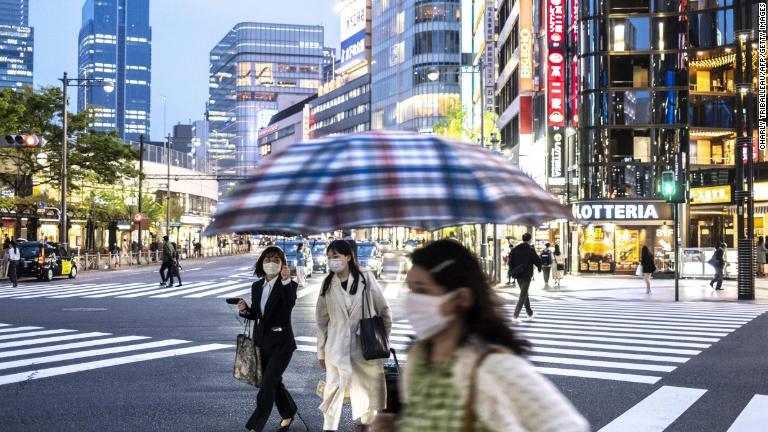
x,y
116,353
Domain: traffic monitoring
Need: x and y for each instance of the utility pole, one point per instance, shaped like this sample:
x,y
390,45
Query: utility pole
x,y
63,231
168,187
141,180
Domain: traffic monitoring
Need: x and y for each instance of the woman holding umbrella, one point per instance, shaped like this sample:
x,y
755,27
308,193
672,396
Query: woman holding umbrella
x,y
339,311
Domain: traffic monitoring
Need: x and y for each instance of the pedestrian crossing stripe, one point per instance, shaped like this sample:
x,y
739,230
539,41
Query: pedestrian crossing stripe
x,y
612,340
23,353
667,404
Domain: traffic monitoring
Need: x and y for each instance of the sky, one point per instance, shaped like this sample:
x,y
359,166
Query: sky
x,y
183,33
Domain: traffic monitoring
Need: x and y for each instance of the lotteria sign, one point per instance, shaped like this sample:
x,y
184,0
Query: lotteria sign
x,y
622,211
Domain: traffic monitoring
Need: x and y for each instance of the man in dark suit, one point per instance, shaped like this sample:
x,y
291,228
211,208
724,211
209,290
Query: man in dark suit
x,y
718,262
272,300
522,259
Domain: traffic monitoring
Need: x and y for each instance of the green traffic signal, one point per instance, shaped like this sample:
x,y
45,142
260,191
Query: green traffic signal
x,y
668,184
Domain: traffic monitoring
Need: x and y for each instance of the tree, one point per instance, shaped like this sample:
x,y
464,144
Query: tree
x,y
455,125
93,156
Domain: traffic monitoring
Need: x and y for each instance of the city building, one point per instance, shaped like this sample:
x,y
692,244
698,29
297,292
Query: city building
x,y
416,61
287,127
343,104
16,45
200,140
115,44
182,138
256,70
329,64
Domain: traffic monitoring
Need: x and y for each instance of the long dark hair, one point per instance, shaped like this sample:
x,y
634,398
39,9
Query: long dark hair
x,y
646,253
258,269
453,266
342,247
13,245
557,250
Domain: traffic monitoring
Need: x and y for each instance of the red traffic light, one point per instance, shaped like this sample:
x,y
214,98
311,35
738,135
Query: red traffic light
x,y
25,140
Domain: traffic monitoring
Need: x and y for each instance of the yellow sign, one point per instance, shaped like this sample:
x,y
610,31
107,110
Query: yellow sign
x,y
711,195
66,267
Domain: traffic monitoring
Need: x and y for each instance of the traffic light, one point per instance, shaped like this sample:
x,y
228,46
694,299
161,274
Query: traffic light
x,y
672,189
23,140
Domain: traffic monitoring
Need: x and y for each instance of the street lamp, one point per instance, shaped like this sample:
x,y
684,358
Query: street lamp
x,y
433,74
66,82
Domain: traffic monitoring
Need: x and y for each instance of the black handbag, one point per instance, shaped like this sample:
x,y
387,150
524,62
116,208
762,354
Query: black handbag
x,y
392,379
373,333
247,358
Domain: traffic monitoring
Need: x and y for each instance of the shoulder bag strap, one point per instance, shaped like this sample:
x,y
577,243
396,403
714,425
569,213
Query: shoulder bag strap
x,y
469,405
365,298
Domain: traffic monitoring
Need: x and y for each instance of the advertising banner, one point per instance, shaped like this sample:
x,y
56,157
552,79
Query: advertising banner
x,y
556,146
354,18
526,46
489,56
556,64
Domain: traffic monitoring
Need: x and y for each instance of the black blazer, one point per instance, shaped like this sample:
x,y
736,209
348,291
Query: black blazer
x,y
524,256
273,331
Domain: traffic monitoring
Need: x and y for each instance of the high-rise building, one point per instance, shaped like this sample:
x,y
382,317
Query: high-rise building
x,y
16,44
416,63
257,69
115,44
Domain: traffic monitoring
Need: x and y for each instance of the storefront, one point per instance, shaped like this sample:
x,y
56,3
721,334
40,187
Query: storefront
x,y
614,232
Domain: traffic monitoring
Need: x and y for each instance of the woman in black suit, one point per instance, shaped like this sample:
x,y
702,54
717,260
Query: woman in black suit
x,y
272,300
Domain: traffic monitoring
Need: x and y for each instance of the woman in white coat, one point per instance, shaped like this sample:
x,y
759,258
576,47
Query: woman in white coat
x,y
339,310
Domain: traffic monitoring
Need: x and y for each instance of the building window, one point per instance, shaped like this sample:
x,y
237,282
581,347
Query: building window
x,y
436,42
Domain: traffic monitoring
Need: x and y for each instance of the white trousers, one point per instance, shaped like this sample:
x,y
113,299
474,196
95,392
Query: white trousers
x,y
332,415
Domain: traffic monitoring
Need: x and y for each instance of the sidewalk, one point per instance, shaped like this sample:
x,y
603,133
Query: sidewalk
x,y
612,287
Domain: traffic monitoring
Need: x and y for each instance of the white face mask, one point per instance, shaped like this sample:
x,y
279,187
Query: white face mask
x,y
336,265
423,312
272,269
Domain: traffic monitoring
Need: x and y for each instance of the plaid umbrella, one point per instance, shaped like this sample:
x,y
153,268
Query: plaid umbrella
x,y
383,179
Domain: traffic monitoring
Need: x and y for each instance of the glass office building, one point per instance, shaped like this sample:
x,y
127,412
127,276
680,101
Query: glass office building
x,y
416,61
252,67
116,44
16,44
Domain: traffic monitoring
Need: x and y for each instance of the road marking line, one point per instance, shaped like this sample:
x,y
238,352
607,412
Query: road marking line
x,y
599,320
697,306
34,334
637,309
161,290
580,373
392,291
606,354
200,291
630,348
36,290
228,287
307,291
44,373
657,411
90,353
194,269
108,341
58,291
99,290
134,292
534,335
15,329
545,323
52,339
671,317
753,417
632,335
601,364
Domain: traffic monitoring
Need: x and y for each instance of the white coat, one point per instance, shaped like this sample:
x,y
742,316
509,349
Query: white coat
x,y
338,343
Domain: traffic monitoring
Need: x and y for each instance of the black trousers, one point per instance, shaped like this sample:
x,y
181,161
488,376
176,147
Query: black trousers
x,y
523,300
12,268
174,271
163,269
272,392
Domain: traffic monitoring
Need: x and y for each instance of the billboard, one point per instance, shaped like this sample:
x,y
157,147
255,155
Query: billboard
x,y
354,29
489,55
526,45
556,63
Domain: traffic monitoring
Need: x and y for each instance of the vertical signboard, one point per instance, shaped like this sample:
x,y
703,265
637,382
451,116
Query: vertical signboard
x,y
526,46
489,56
354,18
556,62
573,85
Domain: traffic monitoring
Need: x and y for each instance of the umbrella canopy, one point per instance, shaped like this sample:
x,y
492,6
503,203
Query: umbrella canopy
x,y
383,179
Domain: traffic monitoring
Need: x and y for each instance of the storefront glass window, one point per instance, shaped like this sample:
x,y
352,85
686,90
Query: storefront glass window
x,y
670,107
629,70
669,70
630,145
596,249
667,32
629,6
630,34
712,111
711,29
631,107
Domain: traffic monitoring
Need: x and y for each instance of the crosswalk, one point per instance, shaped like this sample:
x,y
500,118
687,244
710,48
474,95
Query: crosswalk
x,y
31,352
636,342
667,404
217,288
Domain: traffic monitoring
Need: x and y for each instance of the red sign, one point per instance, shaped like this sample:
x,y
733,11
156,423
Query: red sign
x,y
556,63
138,217
574,82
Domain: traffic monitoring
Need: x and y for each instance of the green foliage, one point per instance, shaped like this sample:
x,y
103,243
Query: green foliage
x,y
455,124
93,156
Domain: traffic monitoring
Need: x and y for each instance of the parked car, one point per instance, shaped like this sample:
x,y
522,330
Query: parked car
x,y
412,245
290,247
45,260
319,260
370,258
385,246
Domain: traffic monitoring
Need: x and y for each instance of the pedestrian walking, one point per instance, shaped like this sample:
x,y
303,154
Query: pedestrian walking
x,y
6,243
114,252
510,281
175,268
301,262
339,311
154,247
546,263
761,256
273,297
467,370
559,265
521,261
649,266
14,255
718,262
167,260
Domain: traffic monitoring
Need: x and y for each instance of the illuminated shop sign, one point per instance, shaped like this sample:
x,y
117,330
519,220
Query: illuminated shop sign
x,y
711,195
526,45
489,56
621,211
556,62
574,83
354,18
556,137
